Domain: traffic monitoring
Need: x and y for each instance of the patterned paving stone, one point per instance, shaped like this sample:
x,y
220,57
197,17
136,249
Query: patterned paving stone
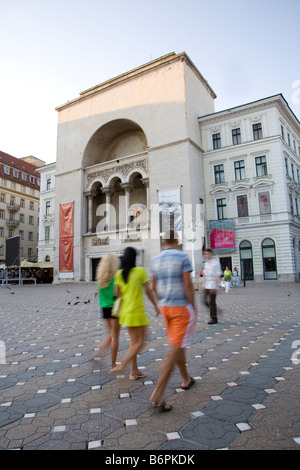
x,y
53,396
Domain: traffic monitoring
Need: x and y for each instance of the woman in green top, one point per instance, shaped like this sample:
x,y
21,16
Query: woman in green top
x,y
131,282
105,275
227,279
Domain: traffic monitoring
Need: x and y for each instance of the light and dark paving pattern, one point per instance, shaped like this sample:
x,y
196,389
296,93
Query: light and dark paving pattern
x,y
54,396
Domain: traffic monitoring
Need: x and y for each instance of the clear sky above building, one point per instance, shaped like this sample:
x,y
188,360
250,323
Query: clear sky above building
x,y
50,51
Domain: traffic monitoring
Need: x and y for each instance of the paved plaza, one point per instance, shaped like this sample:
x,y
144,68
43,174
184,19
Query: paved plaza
x,y
54,396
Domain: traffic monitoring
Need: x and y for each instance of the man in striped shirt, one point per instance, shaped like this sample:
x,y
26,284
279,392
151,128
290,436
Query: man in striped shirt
x,y
172,284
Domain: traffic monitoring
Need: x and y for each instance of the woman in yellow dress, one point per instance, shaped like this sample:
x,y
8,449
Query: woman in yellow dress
x,y
131,282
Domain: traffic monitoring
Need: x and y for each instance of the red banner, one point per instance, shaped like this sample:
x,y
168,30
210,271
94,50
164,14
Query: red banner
x,y
66,235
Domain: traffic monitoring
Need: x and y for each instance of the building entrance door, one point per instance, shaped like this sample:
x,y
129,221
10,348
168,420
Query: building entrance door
x,y
95,262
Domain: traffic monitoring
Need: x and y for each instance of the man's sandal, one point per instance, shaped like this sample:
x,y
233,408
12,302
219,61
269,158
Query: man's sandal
x,y
163,407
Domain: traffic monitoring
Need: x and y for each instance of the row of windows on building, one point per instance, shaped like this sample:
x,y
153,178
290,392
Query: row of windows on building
x,y
24,176
289,140
13,186
242,207
239,168
264,205
21,232
236,136
12,202
257,135
13,220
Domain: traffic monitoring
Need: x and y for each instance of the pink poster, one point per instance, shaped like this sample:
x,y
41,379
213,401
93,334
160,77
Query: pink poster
x,y
221,239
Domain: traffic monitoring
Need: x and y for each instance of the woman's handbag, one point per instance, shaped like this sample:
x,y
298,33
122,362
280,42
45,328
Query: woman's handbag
x,y
116,308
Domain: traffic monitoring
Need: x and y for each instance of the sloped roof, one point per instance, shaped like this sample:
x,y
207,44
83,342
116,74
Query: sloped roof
x,y
18,164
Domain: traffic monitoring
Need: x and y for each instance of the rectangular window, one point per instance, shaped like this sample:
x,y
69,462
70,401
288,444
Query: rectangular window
x,y
219,174
264,203
282,132
48,208
48,184
31,207
31,220
293,173
2,214
286,166
221,208
291,204
261,166
30,236
2,197
242,206
257,131
47,232
216,138
239,170
16,173
236,136
6,170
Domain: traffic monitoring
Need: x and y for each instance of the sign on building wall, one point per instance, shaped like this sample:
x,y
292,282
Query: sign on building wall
x,y
221,236
66,235
170,212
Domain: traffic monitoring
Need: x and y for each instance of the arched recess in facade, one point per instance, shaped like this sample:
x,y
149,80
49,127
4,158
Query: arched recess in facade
x,y
114,140
116,177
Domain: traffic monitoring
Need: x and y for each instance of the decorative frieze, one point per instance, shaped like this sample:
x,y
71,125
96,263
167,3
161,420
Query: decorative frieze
x,y
124,170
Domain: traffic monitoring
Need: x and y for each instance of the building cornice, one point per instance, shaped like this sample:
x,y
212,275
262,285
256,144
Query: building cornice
x,y
252,107
142,69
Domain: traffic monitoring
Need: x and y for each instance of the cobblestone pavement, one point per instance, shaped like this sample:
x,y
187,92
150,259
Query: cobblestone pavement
x,y
54,396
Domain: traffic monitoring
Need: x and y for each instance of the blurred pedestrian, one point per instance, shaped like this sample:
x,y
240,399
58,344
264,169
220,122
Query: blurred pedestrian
x,y
106,271
131,281
228,280
172,284
212,273
236,279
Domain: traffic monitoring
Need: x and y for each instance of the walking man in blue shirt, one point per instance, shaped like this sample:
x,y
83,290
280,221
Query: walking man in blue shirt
x,y
172,284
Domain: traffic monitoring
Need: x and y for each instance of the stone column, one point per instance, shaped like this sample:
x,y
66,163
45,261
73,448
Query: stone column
x,y
90,195
108,191
127,187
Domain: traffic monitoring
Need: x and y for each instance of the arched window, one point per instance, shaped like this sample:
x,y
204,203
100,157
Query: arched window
x,y
246,259
269,259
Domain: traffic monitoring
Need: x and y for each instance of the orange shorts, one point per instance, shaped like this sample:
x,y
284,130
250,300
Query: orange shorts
x,y
180,323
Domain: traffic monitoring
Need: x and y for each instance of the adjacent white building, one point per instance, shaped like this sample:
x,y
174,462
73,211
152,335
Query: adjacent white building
x,y
148,146
46,220
252,184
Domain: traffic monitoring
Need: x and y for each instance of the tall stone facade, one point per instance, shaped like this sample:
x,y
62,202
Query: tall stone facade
x,y
124,147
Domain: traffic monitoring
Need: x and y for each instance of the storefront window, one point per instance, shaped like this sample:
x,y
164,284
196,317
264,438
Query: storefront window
x,y
246,260
269,259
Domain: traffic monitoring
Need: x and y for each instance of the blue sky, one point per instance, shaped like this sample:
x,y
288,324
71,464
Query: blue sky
x,y
50,51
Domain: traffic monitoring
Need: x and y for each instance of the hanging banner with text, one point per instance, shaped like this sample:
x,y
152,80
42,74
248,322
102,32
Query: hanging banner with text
x,y
221,236
66,236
